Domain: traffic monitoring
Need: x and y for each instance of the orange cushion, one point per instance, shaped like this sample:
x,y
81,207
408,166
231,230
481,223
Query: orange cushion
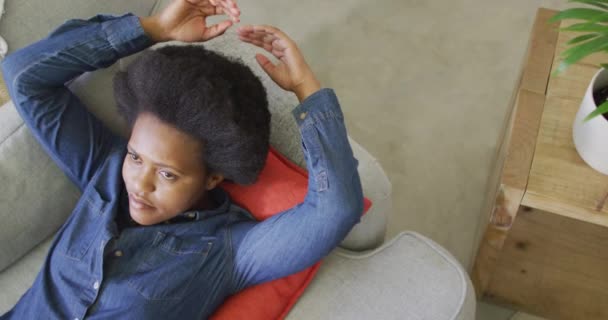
x,y
280,186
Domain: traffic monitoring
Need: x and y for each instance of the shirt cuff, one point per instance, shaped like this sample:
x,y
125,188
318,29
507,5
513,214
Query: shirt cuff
x,y
318,107
125,34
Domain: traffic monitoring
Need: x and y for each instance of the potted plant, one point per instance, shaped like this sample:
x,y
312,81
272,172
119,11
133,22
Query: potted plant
x,y
590,128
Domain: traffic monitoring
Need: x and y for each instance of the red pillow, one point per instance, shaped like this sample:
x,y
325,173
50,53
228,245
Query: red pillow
x,y
280,186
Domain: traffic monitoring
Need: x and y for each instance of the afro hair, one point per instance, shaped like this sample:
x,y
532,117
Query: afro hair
x,y
214,99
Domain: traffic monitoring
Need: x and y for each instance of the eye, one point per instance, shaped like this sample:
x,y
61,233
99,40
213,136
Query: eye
x,y
168,175
133,156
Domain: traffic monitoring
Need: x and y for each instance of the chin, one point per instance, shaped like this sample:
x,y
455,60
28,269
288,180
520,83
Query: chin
x,y
143,217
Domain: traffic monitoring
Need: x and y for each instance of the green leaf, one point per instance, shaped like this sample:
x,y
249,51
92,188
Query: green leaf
x,y
581,14
582,50
601,109
596,3
582,38
598,44
587,27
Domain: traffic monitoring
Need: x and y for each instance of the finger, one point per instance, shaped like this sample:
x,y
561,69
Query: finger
x,y
231,8
253,30
211,10
279,44
266,38
230,3
216,29
257,35
246,29
258,30
270,30
265,63
277,52
220,8
216,11
253,36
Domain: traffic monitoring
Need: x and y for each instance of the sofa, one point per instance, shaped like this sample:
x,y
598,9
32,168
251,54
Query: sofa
x,y
366,277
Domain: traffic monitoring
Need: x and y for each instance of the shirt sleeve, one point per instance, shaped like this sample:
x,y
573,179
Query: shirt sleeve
x,y
299,237
36,76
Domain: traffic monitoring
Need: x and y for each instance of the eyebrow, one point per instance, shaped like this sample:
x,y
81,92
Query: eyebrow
x,y
155,163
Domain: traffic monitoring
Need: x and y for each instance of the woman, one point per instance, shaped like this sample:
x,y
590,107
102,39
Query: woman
x,y
153,236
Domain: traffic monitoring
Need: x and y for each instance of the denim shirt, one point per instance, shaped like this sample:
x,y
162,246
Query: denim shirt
x,y
183,270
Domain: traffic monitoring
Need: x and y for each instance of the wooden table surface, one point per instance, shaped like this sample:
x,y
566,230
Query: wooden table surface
x,y
4,97
560,181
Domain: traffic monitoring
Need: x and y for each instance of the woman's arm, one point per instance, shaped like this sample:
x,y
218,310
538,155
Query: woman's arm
x,y
299,237
36,77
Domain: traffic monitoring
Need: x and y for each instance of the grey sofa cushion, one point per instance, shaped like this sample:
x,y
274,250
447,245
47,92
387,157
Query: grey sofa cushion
x,y
410,277
35,196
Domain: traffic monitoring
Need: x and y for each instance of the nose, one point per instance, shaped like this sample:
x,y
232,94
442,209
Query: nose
x,y
143,183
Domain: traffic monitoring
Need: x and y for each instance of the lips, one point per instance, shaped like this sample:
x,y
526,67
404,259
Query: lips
x,y
138,204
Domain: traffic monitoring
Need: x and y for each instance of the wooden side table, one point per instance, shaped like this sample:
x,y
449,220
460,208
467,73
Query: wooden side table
x,y
545,247
4,97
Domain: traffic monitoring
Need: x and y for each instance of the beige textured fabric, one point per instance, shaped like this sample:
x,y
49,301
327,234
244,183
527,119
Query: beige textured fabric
x,y
3,92
3,48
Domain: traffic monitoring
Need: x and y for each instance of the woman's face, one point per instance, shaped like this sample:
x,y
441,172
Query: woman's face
x,y
163,172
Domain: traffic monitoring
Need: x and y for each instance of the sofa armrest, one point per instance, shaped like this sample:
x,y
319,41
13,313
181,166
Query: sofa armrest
x,y
371,231
409,277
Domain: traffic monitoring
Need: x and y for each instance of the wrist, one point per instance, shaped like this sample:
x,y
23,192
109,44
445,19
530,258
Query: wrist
x,y
307,88
153,29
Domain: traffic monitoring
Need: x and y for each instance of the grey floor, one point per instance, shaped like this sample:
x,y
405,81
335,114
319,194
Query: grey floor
x,y
424,86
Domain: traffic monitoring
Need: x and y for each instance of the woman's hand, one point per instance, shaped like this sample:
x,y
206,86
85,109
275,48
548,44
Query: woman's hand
x,y
185,20
292,73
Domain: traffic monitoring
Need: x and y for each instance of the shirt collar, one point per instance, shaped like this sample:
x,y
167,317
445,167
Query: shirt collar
x,y
220,196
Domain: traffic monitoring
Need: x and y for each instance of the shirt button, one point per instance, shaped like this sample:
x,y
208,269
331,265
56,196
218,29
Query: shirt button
x,y
302,115
118,253
96,285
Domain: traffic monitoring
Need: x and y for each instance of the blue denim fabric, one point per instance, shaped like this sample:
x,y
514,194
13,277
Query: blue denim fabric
x,y
165,271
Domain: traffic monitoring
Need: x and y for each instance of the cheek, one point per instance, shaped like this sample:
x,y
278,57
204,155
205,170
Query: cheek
x,y
124,170
178,198
175,198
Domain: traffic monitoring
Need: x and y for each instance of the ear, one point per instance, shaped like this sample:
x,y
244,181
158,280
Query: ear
x,y
213,180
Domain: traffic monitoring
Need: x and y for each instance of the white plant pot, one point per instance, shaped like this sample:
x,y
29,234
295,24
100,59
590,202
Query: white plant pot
x,y
591,137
